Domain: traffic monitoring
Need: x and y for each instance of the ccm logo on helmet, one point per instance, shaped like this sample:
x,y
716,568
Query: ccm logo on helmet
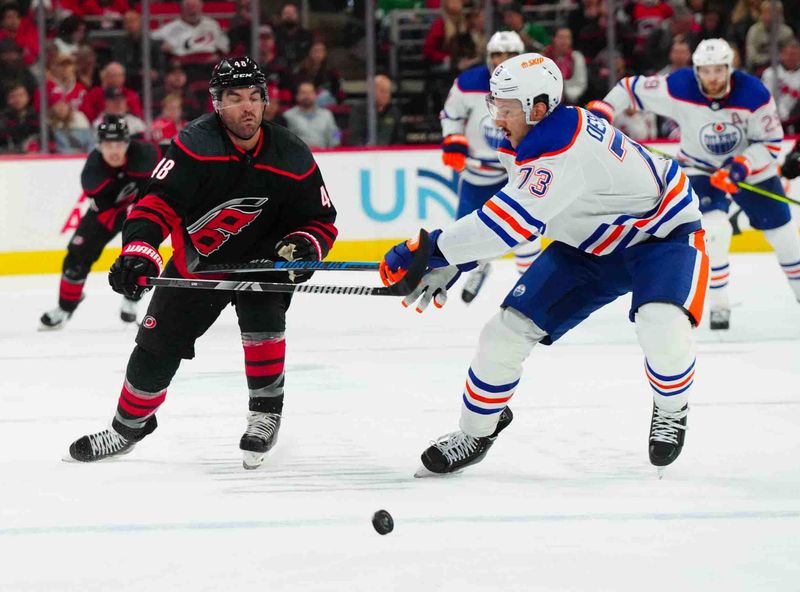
x,y
531,62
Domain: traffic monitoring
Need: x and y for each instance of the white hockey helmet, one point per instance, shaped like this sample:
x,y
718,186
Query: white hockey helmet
x,y
713,52
505,42
530,78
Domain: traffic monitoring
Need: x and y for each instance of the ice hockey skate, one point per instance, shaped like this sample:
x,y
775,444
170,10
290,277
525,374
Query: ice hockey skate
x,y
475,282
127,310
457,450
719,319
54,319
259,437
667,431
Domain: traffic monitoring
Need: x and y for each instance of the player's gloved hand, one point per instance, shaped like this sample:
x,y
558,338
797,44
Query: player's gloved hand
x,y
601,109
398,259
137,260
433,287
738,169
791,166
455,150
298,247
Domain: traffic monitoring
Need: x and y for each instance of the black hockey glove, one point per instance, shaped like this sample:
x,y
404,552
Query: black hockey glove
x,y
298,247
137,260
791,166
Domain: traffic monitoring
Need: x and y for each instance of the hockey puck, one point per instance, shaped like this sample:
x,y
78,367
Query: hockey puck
x,y
383,522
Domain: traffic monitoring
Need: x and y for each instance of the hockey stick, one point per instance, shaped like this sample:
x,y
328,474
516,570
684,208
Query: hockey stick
x,y
482,164
259,265
237,286
404,287
740,184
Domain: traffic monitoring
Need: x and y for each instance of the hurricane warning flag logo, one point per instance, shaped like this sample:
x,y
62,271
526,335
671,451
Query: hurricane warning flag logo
x,y
720,138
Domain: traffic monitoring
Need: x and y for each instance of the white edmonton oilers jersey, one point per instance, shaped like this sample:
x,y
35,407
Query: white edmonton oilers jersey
x,y
577,179
712,131
465,113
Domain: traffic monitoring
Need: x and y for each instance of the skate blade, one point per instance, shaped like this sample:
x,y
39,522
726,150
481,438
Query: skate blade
x,y
253,460
423,473
661,471
42,327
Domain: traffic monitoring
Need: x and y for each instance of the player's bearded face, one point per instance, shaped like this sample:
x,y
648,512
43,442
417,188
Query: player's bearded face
x,y
509,116
242,110
714,79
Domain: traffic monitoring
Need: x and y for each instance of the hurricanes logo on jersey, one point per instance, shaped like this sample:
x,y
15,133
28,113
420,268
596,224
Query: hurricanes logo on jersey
x,y
720,138
213,229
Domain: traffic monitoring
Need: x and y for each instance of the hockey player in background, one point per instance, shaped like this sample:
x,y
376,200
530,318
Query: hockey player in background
x,y
231,188
469,133
621,220
112,177
729,123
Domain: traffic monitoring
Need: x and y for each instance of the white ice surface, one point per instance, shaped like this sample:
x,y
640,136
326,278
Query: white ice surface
x,y
566,500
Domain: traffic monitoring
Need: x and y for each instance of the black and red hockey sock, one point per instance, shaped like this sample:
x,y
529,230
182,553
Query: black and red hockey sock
x,y
264,356
143,391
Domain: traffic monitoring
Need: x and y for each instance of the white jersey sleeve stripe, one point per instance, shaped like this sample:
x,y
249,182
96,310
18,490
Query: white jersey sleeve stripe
x,y
507,221
495,227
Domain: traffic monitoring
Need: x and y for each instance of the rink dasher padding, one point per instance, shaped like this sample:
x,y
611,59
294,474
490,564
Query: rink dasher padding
x,y
382,196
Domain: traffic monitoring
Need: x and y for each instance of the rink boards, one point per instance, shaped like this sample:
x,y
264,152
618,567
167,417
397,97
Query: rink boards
x,y
382,196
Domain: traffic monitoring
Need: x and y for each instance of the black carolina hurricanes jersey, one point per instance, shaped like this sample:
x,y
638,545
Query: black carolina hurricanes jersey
x,y
226,205
108,187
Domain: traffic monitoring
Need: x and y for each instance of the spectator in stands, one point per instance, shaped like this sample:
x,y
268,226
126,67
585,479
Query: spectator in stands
x,y
713,25
314,125
19,123
71,131
293,41
111,77
443,36
170,122
745,14
534,36
19,29
660,41
13,69
315,68
127,50
239,29
274,67
176,83
71,34
192,38
680,56
571,63
389,119
112,9
116,103
648,15
591,37
273,110
62,84
86,61
786,82
760,34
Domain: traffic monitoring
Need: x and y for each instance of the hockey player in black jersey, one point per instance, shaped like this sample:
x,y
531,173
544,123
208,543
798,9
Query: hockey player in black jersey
x,y
112,177
231,188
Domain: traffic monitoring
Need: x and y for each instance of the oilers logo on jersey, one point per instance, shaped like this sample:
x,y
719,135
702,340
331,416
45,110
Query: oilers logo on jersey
x,y
720,138
492,134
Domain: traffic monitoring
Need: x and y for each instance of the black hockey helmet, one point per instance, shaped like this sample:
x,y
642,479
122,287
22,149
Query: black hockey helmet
x,y
113,128
240,72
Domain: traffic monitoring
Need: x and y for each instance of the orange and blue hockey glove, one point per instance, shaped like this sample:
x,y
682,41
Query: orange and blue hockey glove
x,y
398,259
455,150
726,179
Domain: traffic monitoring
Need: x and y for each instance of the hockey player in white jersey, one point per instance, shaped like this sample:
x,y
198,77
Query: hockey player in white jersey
x,y
622,221
729,126
470,147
